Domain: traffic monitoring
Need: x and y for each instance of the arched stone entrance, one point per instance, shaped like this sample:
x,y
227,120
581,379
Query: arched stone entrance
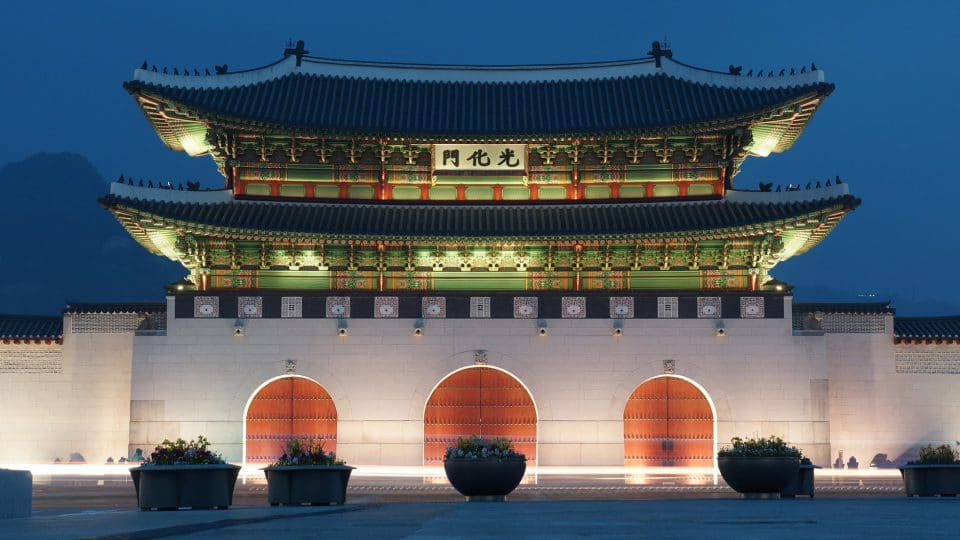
x,y
289,407
483,401
668,421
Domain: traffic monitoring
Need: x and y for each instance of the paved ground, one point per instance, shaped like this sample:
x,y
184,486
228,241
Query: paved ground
x,y
556,506
711,518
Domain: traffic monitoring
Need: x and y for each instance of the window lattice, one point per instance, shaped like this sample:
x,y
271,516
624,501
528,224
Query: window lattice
x,y
845,323
104,323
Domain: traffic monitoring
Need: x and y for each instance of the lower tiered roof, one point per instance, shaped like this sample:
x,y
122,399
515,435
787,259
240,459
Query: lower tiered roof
x,y
217,213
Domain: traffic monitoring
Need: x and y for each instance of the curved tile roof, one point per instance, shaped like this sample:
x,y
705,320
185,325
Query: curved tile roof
x,y
926,327
30,327
120,307
390,220
316,103
858,308
341,97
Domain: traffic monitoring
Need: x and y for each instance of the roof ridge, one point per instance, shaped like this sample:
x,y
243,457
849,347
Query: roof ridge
x,y
463,73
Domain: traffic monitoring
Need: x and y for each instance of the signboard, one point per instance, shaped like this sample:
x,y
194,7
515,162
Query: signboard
x,y
473,159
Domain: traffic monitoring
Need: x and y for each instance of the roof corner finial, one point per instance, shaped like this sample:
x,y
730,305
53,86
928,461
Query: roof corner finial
x,y
299,51
658,52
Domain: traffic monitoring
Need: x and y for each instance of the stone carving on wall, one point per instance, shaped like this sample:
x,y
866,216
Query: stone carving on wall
x,y
480,357
669,366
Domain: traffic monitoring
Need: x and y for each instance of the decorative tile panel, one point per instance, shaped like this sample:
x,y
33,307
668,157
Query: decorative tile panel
x,y
291,307
573,307
480,307
31,359
668,307
338,307
708,307
386,307
929,360
621,307
250,307
206,306
751,307
525,307
434,307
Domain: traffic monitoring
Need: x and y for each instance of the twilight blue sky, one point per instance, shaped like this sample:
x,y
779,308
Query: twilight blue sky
x,y
888,130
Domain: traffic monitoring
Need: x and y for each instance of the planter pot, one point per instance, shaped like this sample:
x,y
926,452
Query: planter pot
x,y
802,482
170,487
484,479
758,475
16,493
929,480
307,484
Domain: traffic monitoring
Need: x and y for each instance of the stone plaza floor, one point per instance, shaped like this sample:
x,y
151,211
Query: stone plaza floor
x,y
598,503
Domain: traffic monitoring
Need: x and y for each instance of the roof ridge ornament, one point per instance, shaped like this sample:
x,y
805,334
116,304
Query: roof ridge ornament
x,y
299,51
657,52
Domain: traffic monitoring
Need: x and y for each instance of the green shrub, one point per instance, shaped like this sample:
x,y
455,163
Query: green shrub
x,y
941,455
474,447
297,452
181,452
762,447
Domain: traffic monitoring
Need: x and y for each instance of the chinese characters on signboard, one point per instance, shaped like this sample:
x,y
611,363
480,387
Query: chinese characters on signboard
x,y
471,158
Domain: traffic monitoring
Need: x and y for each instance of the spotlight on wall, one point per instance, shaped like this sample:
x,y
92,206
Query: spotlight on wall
x,y
617,328
418,327
541,327
720,329
342,327
238,328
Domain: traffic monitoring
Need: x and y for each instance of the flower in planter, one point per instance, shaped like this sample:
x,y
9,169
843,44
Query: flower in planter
x,y
940,455
181,452
306,452
761,447
475,448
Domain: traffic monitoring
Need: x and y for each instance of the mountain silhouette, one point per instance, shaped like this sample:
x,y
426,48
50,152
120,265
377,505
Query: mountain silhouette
x,y
61,245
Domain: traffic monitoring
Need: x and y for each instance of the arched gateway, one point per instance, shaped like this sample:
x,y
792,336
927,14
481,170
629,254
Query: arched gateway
x,y
483,401
290,407
668,421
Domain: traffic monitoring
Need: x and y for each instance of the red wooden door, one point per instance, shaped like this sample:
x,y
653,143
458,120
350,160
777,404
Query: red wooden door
x,y
479,401
668,422
289,408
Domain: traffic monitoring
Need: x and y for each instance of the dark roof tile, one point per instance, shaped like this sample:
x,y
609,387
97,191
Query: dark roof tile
x,y
140,307
883,307
927,327
326,103
30,327
500,220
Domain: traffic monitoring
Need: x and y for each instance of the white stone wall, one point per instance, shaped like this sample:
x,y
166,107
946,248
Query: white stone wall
x,y
852,392
876,409
199,378
83,407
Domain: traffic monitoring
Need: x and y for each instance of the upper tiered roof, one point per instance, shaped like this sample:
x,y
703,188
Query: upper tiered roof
x,y
317,96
